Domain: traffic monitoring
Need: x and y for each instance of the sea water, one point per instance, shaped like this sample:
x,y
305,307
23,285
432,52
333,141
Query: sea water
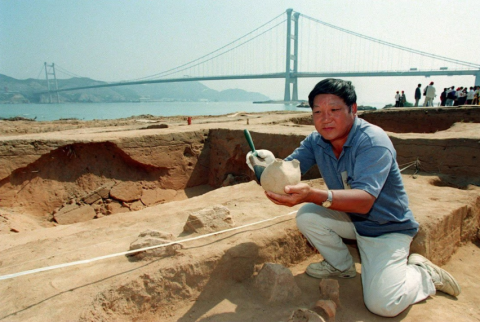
x,y
101,111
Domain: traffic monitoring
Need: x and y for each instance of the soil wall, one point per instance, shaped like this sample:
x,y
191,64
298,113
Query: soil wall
x,y
40,176
421,120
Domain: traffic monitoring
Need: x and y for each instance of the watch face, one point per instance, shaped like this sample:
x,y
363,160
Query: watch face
x,y
327,204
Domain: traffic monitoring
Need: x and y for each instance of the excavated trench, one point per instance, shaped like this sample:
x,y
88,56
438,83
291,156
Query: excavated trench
x,y
68,182
161,169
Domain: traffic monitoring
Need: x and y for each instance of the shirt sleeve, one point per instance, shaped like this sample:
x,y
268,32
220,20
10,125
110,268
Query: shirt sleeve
x,y
371,170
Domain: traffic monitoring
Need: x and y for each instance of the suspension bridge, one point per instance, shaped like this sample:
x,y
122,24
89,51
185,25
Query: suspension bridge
x,y
292,46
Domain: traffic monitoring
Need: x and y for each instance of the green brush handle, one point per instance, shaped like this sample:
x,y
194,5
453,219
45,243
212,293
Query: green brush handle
x,y
250,141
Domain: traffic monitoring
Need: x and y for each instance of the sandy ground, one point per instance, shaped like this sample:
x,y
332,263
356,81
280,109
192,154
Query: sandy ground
x,y
236,303
79,292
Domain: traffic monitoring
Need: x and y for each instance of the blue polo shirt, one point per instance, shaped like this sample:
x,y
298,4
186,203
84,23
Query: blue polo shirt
x,y
367,162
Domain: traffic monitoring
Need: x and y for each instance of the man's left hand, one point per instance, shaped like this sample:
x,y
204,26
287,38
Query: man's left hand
x,y
295,195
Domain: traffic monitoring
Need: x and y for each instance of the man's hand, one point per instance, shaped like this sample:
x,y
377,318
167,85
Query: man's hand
x,y
263,158
295,195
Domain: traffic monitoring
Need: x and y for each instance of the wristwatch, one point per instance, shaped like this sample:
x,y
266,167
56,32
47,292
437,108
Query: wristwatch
x,y
327,203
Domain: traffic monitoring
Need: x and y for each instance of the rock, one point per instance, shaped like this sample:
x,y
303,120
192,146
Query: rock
x,y
326,309
71,216
304,315
136,205
279,174
126,191
91,198
104,191
152,197
276,283
330,290
100,209
156,234
209,220
115,207
152,238
67,207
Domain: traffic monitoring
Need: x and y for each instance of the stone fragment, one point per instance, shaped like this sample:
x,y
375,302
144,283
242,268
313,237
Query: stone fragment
x,y
136,205
276,283
100,208
79,214
330,290
104,190
152,238
152,197
156,234
209,220
115,207
304,315
67,207
91,198
326,309
126,191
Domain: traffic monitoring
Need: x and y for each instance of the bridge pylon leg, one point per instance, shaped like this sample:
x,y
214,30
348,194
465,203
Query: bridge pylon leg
x,y
477,79
290,75
50,85
286,97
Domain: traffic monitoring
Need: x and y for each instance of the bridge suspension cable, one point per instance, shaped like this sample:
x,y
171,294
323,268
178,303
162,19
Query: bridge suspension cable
x,y
446,59
223,50
319,49
42,70
222,53
66,72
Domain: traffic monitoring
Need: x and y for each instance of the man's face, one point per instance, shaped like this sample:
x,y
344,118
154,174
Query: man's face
x,y
332,118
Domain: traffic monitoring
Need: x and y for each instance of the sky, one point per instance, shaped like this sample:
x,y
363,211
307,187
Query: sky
x,y
114,40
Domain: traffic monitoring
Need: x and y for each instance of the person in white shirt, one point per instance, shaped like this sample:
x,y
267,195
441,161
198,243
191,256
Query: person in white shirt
x,y
470,96
397,100
429,95
476,97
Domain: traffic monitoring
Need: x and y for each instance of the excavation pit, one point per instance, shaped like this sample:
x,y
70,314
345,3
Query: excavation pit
x,y
204,164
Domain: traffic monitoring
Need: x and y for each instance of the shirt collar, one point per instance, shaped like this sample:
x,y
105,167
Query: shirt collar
x,y
355,126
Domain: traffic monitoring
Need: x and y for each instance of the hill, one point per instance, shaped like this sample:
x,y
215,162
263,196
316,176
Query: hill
x,y
27,91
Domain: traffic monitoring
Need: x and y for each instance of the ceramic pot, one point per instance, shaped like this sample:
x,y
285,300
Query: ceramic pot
x,y
279,174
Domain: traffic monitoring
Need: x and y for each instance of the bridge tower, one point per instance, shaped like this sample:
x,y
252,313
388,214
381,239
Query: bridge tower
x,y
290,75
477,79
51,83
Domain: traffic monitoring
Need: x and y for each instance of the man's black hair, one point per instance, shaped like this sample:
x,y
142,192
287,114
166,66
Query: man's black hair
x,y
343,89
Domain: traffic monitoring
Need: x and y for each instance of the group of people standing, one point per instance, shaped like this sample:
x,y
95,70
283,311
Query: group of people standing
x,y
449,96
460,96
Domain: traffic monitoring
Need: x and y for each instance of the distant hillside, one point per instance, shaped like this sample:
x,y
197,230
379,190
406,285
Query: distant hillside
x,y
26,91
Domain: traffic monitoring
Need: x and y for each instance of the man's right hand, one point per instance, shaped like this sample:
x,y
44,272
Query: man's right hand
x,y
263,158
295,194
